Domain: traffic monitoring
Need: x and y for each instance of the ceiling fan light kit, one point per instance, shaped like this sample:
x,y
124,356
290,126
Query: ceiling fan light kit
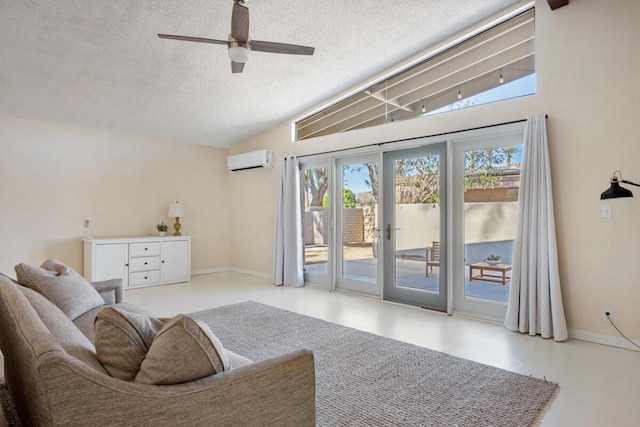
x,y
239,52
239,45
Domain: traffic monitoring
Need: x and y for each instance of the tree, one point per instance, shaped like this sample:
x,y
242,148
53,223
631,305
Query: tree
x,y
372,168
480,169
365,199
511,151
417,180
315,183
348,199
372,182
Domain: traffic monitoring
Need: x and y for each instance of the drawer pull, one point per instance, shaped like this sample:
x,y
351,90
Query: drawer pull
x,y
163,261
146,249
146,263
145,277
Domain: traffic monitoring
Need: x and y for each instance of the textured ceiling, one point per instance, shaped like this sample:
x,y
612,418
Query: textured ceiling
x,y
100,64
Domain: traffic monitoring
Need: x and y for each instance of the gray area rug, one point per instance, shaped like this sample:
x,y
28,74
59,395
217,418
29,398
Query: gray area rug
x,y
367,380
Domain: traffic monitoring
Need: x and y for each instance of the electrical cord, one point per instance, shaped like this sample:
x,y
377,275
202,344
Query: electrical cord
x,y
620,332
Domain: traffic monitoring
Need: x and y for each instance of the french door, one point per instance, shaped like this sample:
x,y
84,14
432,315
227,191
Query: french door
x,y
358,265
402,226
415,224
486,172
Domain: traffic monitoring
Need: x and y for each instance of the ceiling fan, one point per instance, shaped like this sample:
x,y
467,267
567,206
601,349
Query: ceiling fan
x,y
239,43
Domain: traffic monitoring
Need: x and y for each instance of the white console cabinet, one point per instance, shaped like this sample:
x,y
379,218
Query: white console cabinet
x,y
138,261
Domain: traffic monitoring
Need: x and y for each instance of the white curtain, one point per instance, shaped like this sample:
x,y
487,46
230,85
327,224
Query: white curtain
x,y
288,252
535,300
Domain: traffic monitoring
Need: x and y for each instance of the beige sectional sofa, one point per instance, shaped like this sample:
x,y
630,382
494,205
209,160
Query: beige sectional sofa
x,y
56,379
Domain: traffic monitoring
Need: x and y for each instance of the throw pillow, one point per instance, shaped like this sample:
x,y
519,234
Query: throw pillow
x,y
63,330
184,350
61,285
122,340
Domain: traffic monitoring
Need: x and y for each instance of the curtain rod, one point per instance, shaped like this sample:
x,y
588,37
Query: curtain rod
x,y
380,144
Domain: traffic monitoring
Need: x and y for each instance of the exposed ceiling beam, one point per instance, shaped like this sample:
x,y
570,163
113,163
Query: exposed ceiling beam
x,y
435,82
555,4
392,102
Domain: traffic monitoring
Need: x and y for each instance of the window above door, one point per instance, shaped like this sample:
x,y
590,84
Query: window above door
x,y
496,64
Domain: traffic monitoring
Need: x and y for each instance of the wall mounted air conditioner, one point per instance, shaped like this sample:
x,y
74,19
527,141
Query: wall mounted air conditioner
x,y
251,160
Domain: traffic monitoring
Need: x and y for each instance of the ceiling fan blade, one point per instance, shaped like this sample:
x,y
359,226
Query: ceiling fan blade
x,y
240,23
272,47
237,67
193,39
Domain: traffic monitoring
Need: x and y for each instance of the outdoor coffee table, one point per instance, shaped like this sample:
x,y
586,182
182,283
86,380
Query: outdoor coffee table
x,y
483,267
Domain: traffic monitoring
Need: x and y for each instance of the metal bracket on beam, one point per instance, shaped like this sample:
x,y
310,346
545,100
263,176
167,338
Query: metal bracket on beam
x,y
555,4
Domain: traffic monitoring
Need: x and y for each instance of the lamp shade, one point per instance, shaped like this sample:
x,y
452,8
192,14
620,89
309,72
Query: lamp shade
x,y
615,191
176,210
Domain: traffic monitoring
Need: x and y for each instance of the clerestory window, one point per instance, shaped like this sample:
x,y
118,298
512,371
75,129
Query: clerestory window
x,y
494,65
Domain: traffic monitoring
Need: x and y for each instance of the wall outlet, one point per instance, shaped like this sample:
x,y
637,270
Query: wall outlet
x,y
604,314
87,223
606,211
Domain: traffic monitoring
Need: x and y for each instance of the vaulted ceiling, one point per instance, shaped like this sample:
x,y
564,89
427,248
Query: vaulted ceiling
x,y
101,65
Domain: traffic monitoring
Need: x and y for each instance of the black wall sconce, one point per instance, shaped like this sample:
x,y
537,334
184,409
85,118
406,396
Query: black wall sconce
x,y
615,191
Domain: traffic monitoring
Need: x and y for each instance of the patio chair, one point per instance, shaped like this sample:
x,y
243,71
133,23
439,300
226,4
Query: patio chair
x,y
433,257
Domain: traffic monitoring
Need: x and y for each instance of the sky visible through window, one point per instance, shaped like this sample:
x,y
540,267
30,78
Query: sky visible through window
x,y
354,178
521,87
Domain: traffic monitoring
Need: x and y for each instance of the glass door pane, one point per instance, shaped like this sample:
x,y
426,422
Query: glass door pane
x,y
357,205
491,185
315,222
415,226
486,186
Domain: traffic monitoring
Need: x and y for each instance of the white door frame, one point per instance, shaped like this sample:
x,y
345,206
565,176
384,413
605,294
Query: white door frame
x,y
459,303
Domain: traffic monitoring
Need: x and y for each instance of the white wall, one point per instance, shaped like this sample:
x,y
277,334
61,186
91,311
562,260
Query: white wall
x,y
588,82
53,176
483,222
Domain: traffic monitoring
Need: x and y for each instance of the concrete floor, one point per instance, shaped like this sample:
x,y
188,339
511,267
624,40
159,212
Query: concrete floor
x,y
599,385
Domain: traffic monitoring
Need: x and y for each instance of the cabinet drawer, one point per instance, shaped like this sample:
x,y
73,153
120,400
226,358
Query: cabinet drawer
x,y
144,249
144,278
144,263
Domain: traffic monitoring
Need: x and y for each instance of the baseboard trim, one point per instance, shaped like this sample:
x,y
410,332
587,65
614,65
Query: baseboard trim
x,y
250,273
230,269
604,339
209,271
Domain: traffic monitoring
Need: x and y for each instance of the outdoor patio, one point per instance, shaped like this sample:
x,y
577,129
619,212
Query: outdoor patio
x,y
360,265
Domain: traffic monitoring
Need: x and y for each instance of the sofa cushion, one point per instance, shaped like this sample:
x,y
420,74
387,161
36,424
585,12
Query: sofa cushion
x,y
86,322
61,285
63,330
9,278
123,339
184,350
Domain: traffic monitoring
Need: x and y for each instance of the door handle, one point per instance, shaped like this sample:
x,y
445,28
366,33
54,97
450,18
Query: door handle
x,y
388,231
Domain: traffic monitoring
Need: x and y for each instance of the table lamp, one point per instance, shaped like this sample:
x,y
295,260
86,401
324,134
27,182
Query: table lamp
x,y
176,210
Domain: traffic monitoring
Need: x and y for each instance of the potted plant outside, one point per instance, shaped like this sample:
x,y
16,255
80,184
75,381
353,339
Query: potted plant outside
x,y
162,228
493,259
